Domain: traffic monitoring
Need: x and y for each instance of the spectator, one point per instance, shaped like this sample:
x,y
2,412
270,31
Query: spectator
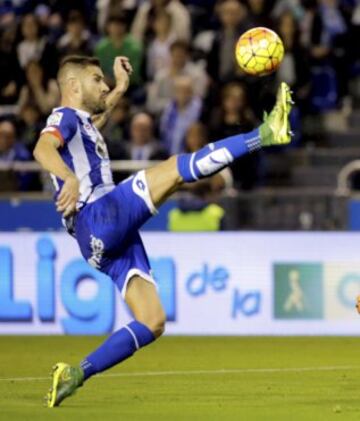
x,y
77,39
42,13
202,14
321,60
116,129
158,51
30,125
161,90
143,145
221,63
9,68
259,11
293,6
11,150
232,117
354,50
180,18
119,42
334,24
324,34
35,47
333,21
182,111
51,23
106,8
63,8
294,69
40,91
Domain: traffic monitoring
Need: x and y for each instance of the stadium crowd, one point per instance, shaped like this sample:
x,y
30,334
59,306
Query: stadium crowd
x,y
185,77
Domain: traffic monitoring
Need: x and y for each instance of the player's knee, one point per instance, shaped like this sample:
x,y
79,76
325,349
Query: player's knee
x,y
156,323
159,328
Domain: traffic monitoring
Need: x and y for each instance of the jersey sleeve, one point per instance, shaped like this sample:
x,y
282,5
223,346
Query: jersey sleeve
x,y
62,124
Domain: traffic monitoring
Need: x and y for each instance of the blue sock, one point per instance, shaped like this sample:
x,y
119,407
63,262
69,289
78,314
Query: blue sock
x,y
119,346
215,156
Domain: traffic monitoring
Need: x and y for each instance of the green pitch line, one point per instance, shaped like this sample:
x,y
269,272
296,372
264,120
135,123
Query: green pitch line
x,y
182,378
199,372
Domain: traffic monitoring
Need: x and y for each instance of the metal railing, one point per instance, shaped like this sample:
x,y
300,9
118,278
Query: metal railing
x,y
344,178
263,208
119,165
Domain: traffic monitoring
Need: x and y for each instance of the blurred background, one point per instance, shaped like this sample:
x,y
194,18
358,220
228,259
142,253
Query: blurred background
x,y
186,90
286,259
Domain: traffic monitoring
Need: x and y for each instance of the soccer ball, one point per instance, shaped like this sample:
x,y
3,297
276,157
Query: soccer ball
x,y
259,51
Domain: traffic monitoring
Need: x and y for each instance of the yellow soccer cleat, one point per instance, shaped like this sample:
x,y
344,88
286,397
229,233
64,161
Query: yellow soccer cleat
x,y
65,381
275,129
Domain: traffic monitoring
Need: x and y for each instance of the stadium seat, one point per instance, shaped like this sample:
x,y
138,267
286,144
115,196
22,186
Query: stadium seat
x,y
307,176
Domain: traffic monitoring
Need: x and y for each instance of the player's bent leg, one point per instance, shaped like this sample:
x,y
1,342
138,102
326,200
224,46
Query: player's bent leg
x,y
149,323
144,302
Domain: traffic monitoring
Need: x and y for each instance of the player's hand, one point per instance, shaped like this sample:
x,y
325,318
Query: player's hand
x,y
122,72
358,304
67,199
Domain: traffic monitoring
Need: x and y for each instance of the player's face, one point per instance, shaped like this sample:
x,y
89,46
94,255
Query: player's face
x,y
94,90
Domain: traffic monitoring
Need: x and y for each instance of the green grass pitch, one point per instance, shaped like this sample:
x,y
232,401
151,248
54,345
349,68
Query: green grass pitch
x,y
190,378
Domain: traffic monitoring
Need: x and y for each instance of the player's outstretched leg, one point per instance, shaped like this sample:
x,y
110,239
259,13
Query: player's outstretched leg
x,y
275,130
144,302
165,178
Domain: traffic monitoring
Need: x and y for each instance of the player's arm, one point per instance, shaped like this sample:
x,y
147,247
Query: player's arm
x,y
47,155
358,304
122,71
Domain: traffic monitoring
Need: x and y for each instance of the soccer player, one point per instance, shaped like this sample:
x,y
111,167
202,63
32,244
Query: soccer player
x,y
105,218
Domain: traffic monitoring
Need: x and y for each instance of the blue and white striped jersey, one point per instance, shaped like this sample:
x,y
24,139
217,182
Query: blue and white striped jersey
x,y
84,151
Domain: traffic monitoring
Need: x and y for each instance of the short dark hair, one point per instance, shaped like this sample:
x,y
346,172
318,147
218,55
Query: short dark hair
x,y
81,61
77,61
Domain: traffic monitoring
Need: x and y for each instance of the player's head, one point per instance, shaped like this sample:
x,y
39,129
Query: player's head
x,y
82,83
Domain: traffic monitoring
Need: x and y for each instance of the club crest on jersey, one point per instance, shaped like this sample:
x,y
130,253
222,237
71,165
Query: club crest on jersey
x,y
88,127
55,119
101,149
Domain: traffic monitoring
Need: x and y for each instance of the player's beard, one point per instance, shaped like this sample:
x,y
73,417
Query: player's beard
x,y
94,105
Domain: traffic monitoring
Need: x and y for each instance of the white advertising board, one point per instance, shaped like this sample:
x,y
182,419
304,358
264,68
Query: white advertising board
x,y
210,284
